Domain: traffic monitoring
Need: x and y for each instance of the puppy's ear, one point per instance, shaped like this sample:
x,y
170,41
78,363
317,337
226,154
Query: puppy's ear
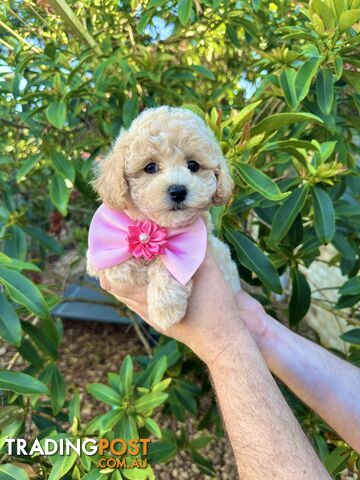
x,y
110,182
225,183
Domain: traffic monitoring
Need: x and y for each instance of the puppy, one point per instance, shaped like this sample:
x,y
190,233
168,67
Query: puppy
x,y
166,169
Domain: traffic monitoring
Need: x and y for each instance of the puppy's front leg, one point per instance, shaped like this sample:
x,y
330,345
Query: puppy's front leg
x,y
167,298
132,272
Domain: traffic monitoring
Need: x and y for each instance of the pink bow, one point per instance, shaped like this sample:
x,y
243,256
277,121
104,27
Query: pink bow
x,y
114,238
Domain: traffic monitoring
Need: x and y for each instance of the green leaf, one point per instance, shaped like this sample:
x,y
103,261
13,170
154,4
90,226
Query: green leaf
x,y
274,122
27,166
12,472
324,215
63,166
305,76
195,109
156,3
115,382
325,90
29,353
130,110
287,84
126,376
56,113
11,425
204,465
352,336
326,149
286,214
157,371
62,465
41,339
300,297
321,446
292,142
260,182
337,460
184,11
49,242
161,386
138,473
74,24
15,264
347,301
57,390
15,245
347,19
21,383
127,428
163,451
74,407
339,67
10,327
240,117
186,400
232,34
348,210
325,13
152,426
150,401
145,18
254,259
200,442
59,193
104,393
94,475
23,291
343,245
204,71
338,6
6,160
351,287
111,418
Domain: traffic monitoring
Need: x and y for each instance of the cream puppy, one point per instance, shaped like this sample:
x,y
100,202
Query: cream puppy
x,y
168,168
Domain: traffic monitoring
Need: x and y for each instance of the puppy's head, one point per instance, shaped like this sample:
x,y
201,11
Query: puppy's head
x,y
168,164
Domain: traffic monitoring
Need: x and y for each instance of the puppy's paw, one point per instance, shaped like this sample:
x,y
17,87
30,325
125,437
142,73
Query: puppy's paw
x,y
167,298
166,315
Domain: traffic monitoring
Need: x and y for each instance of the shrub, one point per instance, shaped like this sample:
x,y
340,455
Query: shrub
x,y
278,82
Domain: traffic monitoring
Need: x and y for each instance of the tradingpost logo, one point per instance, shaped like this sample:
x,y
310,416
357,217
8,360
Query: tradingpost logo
x,y
115,454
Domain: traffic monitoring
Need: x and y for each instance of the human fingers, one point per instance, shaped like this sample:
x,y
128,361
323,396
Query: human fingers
x,y
134,297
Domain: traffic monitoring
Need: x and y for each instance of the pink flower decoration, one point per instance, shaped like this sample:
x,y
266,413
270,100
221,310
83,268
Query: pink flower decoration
x,y
146,239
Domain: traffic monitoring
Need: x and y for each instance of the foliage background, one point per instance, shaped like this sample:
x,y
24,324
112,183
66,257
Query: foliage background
x,y
278,82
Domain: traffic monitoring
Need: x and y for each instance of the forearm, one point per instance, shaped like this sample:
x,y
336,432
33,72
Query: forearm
x,y
262,429
328,384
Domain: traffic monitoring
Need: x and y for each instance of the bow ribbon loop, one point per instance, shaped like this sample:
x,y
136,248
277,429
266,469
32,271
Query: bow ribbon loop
x,y
114,238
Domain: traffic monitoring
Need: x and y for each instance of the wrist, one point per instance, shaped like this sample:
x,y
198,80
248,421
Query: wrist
x,y
232,342
262,328
215,343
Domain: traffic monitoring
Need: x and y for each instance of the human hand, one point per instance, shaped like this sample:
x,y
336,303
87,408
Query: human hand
x,y
212,316
253,314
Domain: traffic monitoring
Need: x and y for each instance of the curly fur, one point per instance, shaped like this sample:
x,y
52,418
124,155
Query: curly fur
x,y
169,137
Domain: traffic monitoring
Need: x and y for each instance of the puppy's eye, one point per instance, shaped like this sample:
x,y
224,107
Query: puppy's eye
x,y
193,166
151,168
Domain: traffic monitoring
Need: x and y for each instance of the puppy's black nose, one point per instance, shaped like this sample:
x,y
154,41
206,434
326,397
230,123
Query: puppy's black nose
x,y
177,193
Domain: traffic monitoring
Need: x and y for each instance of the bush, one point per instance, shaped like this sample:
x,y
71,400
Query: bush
x,y
278,82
